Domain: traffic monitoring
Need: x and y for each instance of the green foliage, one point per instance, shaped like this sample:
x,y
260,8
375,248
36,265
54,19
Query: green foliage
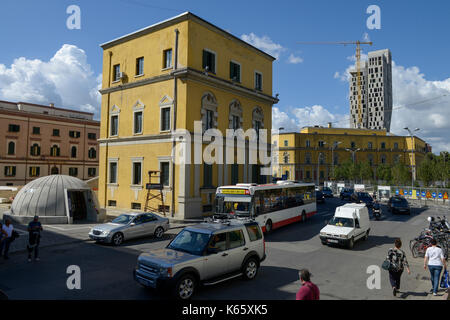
x,y
400,174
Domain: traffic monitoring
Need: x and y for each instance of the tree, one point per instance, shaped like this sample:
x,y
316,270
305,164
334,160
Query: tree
x,y
384,172
426,171
365,171
400,174
343,171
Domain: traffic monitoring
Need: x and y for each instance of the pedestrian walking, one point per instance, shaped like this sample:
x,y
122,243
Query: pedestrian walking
x,y
435,260
34,237
7,232
398,263
308,290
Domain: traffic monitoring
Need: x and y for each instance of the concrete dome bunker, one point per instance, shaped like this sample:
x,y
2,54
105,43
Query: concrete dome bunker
x,y
56,199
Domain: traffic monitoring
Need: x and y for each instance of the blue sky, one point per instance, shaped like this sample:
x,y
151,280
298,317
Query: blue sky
x,y
311,90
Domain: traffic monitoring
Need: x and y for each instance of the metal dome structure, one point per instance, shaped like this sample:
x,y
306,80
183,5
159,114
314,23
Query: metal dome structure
x,y
56,199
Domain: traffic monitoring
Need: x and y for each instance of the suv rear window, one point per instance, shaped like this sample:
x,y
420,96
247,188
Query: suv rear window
x,y
253,232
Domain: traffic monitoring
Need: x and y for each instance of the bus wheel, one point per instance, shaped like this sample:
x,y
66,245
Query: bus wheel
x,y
269,226
303,217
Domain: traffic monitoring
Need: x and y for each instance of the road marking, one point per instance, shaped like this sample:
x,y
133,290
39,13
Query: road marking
x,y
66,229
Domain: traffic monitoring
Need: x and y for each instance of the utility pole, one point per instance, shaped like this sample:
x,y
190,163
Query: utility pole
x,y
353,151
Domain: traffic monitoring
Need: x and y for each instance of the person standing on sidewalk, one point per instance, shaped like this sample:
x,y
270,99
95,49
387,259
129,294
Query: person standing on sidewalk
x,y
7,230
34,238
434,258
308,290
399,262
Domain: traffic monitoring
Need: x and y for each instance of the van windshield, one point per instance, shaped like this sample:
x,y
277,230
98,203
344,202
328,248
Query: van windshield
x,y
342,222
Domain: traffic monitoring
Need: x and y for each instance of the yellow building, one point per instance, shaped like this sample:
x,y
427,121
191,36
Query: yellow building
x,y
164,78
316,150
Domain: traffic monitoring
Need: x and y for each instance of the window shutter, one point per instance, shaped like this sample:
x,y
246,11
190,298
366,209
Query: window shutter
x,y
38,150
205,59
13,171
231,70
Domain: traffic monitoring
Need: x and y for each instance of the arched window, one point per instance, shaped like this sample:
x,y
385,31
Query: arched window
x,y
54,170
257,119
370,159
35,150
321,158
209,111
54,151
11,148
308,158
235,115
73,152
286,157
92,154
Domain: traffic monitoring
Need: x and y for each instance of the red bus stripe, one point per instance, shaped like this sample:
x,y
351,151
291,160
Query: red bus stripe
x,y
289,221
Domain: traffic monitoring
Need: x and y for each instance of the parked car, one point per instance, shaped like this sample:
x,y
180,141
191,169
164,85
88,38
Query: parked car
x,y
327,192
319,196
128,226
350,223
363,197
346,193
206,253
397,204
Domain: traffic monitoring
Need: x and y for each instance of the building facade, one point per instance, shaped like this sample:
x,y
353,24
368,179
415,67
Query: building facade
x,y
311,154
376,92
163,79
41,140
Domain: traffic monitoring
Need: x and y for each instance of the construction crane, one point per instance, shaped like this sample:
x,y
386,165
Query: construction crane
x,y
358,68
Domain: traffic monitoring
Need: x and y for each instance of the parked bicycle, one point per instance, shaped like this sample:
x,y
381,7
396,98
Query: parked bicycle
x,y
438,229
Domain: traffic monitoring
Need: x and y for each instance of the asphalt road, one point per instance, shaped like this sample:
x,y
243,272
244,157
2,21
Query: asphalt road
x,y
106,272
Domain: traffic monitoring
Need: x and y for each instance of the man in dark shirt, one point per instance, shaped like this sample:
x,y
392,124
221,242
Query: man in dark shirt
x,y
308,290
34,229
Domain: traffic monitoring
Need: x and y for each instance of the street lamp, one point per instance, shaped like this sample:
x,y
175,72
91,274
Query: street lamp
x,y
332,157
413,163
353,151
318,162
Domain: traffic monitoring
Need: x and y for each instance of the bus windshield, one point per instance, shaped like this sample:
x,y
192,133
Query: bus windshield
x,y
233,207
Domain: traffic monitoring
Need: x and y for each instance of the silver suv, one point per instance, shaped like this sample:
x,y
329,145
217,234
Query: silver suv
x,y
206,253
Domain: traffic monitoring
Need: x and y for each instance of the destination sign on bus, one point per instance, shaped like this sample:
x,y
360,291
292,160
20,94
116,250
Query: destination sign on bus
x,y
234,191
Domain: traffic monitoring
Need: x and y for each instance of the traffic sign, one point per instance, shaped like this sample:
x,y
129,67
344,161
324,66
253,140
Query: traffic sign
x,y
445,196
396,192
410,192
423,194
440,195
434,194
428,194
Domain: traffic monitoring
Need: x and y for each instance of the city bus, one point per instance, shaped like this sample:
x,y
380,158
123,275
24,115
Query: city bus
x,y
271,205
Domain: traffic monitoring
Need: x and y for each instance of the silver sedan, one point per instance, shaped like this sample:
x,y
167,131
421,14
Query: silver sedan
x,y
128,226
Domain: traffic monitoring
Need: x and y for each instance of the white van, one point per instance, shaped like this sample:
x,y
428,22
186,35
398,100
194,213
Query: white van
x,y
350,223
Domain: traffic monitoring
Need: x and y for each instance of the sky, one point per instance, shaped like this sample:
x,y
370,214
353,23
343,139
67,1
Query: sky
x,y
43,61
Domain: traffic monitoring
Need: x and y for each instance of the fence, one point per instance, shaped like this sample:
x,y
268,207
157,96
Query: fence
x,y
418,195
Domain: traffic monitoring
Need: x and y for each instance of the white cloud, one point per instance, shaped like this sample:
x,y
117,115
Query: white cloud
x,y
418,103
66,79
265,44
296,118
294,59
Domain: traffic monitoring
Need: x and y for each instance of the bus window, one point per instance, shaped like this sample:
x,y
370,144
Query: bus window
x,y
291,200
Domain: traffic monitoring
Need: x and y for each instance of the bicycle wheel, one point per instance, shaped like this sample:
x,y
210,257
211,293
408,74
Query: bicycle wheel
x,y
415,249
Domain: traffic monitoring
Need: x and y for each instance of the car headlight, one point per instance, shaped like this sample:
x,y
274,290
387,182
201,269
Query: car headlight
x,y
165,272
323,234
343,236
106,232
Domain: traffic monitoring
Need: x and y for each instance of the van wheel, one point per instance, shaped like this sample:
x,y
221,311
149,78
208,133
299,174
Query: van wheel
x,y
185,287
366,236
351,243
250,269
268,226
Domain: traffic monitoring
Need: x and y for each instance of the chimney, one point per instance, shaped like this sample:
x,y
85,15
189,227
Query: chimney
x,y
329,125
52,105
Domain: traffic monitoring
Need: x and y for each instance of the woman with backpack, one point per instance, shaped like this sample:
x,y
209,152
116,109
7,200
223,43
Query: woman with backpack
x,y
398,263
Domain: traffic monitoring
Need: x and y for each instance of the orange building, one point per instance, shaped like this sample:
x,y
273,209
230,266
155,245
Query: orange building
x,y
38,140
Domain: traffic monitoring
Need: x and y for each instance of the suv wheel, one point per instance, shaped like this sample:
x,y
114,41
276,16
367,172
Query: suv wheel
x,y
268,226
159,232
117,239
250,269
185,287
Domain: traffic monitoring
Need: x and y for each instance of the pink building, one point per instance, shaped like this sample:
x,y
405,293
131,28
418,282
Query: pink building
x,y
38,140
